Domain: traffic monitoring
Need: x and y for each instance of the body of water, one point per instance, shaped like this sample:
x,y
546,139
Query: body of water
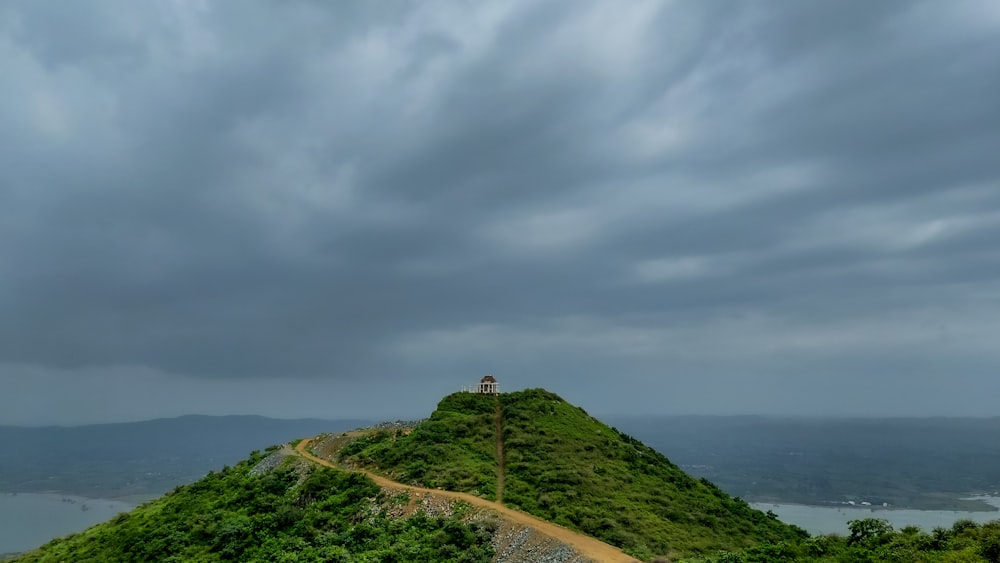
x,y
32,519
833,519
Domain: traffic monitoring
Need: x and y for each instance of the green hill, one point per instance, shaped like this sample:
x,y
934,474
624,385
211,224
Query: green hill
x,y
551,459
296,512
563,465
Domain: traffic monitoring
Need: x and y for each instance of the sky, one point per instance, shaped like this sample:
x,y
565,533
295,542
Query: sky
x,y
351,209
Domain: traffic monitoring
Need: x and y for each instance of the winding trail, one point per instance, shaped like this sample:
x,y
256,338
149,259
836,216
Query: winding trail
x,y
584,545
498,421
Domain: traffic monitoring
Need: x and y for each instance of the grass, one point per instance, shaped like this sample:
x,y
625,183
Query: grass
x,y
455,449
567,467
283,516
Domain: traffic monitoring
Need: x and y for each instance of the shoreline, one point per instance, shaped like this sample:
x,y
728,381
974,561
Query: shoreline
x,y
135,499
892,508
963,502
833,518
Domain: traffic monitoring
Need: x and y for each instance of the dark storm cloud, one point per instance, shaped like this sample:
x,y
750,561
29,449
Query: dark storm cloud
x,y
688,196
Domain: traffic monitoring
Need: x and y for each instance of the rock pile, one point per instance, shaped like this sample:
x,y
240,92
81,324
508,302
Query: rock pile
x,y
269,463
514,543
394,425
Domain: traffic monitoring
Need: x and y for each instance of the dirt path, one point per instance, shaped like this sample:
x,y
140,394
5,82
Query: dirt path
x,y
498,420
585,545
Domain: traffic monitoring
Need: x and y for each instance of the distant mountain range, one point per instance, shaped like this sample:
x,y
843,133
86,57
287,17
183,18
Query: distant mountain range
x,y
140,459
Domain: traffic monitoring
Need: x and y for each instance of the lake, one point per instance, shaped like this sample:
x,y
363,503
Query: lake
x,y
833,519
32,519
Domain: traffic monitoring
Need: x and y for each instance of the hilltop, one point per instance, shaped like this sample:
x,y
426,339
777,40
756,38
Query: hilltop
x,y
536,452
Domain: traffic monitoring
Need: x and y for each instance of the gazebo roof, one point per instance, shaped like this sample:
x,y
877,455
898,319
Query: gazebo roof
x,y
488,379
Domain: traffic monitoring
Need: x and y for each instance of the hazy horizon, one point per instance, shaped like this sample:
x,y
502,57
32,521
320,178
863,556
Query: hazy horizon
x,y
603,416
306,209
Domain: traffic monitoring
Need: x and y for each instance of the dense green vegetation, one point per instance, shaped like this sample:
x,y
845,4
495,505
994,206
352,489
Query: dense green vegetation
x,y
874,541
295,513
567,467
454,449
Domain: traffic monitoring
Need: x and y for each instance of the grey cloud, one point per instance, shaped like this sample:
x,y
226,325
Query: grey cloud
x,y
351,192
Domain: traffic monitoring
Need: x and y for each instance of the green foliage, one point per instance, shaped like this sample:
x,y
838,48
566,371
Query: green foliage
x,y
233,516
873,541
563,465
454,449
868,531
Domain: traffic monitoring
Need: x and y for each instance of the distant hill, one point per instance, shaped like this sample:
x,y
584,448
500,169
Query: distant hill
x,y
925,463
559,463
140,458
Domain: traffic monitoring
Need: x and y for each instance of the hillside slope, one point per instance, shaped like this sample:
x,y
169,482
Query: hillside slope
x,y
294,511
454,449
569,545
567,467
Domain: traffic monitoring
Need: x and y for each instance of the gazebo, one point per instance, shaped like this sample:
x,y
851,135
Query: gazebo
x,y
488,386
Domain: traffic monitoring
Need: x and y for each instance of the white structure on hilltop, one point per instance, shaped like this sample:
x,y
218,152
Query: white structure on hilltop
x,y
487,386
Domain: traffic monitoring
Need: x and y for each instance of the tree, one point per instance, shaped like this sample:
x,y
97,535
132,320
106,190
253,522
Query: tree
x,y
867,531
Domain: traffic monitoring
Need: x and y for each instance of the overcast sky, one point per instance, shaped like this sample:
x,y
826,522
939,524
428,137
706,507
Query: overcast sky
x,y
343,209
